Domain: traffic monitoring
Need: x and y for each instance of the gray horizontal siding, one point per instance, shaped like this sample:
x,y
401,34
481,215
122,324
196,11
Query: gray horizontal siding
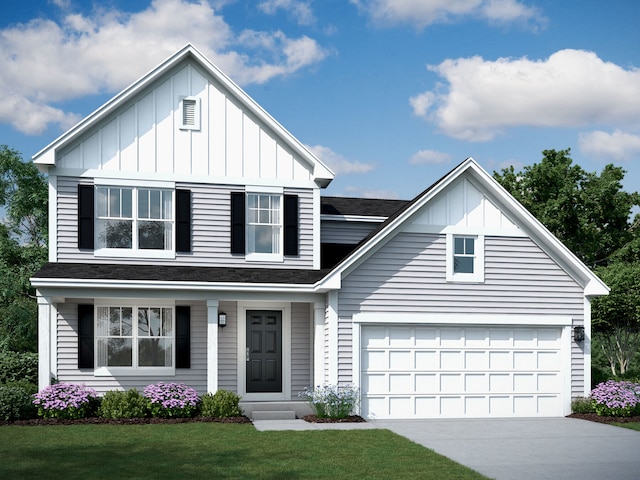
x,y
67,355
211,242
300,348
349,233
407,275
228,348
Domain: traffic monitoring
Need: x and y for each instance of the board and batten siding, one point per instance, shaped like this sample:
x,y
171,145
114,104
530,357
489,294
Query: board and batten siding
x,y
144,136
67,355
210,231
407,275
348,233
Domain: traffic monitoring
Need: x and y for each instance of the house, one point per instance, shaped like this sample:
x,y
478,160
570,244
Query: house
x,y
189,242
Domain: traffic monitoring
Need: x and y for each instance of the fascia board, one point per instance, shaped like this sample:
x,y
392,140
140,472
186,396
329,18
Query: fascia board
x,y
72,283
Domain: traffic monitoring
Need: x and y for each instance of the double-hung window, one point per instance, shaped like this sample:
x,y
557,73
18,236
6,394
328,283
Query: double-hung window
x,y
132,219
264,224
465,258
133,338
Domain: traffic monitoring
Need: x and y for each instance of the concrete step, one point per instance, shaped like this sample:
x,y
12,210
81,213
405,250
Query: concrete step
x,y
273,415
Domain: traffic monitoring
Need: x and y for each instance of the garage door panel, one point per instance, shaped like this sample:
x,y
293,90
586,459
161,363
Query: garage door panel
x,y
466,371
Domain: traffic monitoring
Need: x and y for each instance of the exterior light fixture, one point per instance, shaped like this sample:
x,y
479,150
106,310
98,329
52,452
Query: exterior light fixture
x,y
578,334
222,319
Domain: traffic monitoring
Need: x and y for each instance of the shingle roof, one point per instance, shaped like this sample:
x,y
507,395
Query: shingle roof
x,y
369,207
171,273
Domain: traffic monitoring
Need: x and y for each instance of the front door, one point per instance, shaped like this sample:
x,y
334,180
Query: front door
x,y
264,351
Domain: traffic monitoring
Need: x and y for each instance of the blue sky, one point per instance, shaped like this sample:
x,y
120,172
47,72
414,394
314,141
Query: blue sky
x,y
391,94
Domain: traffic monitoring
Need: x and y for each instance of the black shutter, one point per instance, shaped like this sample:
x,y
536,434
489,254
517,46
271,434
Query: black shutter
x,y
291,225
183,337
183,220
85,336
85,217
237,222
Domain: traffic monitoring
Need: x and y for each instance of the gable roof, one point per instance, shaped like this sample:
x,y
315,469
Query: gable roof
x,y
322,175
592,285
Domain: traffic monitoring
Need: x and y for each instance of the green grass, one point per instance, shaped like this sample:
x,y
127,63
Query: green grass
x,y
630,425
213,450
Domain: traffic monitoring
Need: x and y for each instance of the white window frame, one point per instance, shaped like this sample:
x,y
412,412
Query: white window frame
x,y
135,370
135,251
264,257
184,102
478,260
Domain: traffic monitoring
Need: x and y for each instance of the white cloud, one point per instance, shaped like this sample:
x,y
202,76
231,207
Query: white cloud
x,y
617,146
301,11
422,13
338,163
571,88
429,157
47,61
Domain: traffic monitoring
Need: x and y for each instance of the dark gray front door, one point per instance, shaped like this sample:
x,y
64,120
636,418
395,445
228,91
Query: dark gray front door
x,y
264,351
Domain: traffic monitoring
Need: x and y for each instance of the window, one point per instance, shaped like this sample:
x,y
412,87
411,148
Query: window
x,y
133,218
465,258
134,337
264,224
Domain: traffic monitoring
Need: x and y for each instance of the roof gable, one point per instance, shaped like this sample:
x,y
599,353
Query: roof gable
x,y
139,131
481,202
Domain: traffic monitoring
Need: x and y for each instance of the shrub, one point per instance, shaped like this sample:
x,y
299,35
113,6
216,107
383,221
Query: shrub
x,y
223,403
616,399
15,403
332,401
582,405
124,404
66,400
17,366
171,400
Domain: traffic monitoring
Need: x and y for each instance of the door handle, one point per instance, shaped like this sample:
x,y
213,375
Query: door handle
x,y
247,354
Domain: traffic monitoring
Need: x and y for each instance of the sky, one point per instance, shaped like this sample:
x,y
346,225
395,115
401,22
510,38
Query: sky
x,y
390,94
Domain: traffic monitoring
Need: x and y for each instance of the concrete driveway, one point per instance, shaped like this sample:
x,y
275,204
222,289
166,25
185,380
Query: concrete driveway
x,y
531,448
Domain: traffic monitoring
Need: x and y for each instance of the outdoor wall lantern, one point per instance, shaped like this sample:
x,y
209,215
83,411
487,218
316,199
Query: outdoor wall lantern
x,y
578,334
222,319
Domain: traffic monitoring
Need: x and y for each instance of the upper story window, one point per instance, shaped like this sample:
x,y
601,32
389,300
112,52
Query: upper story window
x,y
264,225
134,218
128,220
465,258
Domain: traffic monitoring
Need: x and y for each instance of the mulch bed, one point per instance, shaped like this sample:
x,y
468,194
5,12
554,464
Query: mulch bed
x,y
349,419
592,417
124,421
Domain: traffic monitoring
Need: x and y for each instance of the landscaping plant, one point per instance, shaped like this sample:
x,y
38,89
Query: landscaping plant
x,y
616,399
222,404
168,400
332,401
124,404
66,400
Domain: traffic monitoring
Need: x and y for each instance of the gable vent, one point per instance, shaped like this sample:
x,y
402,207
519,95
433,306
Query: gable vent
x,y
190,107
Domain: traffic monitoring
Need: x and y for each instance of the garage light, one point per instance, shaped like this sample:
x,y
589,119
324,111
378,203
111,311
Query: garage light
x,y
578,334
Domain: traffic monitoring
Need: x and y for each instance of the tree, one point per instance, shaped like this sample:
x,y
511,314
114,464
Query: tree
x,y
23,239
616,317
589,213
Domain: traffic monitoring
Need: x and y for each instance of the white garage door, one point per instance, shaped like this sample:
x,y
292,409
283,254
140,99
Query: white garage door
x,y
461,371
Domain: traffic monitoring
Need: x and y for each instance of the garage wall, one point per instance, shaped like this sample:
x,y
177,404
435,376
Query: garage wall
x,y
519,279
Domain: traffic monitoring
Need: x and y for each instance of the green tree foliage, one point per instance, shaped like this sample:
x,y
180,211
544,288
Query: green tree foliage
x,y
616,317
589,213
23,239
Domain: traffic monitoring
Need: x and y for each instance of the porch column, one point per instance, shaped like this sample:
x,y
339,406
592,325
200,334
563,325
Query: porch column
x,y
45,347
318,343
212,346
332,322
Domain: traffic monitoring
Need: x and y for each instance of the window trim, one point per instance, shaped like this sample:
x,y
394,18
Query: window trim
x,y
264,257
136,186
190,100
478,264
107,371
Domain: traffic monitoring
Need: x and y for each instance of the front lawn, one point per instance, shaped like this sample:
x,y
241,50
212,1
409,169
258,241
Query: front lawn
x,y
213,450
630,425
